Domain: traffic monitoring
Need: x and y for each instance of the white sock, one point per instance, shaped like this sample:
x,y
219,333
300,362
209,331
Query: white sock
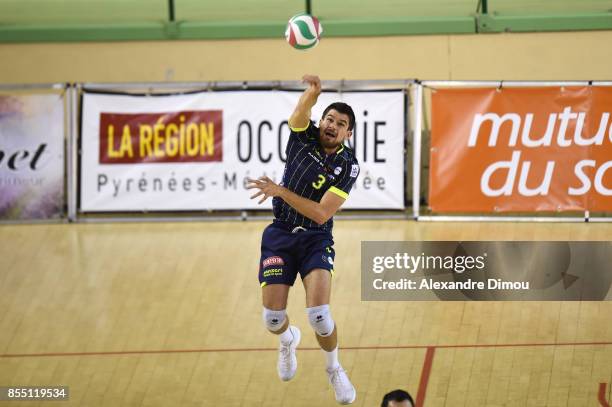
x,y
332,358
287,336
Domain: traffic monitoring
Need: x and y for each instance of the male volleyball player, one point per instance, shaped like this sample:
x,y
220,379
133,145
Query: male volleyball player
x,y
319,174
397,398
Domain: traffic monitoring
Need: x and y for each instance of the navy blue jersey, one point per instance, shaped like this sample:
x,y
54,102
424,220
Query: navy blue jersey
x,y
309,172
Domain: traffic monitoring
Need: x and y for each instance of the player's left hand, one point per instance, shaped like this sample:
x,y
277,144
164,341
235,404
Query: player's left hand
x,y
266,186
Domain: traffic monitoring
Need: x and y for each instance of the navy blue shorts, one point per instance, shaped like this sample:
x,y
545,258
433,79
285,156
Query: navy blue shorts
x,y
285,252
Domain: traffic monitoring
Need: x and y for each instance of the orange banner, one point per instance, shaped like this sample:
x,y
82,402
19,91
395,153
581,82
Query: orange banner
x,y
521,149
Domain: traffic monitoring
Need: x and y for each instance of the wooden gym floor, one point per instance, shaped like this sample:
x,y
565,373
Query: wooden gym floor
x,y
168,314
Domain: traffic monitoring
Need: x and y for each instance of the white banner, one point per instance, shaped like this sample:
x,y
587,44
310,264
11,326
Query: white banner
x,y
31,156
194,152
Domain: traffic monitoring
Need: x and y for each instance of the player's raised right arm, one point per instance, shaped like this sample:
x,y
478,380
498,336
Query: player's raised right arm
x,y
301,115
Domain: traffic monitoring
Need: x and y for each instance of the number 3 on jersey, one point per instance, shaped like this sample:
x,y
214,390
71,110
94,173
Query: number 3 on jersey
x,y
318,184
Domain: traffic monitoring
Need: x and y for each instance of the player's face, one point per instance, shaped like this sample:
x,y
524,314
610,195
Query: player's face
x,y
334,129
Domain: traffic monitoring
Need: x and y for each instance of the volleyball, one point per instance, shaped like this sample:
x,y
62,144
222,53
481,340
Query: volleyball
x,y
303,31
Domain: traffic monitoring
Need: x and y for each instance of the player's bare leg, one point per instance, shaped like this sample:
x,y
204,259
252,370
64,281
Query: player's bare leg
x,y
318,290
274,298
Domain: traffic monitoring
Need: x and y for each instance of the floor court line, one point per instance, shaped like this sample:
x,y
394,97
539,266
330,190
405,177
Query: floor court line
x,y
429,355
425,371
212,350
601,396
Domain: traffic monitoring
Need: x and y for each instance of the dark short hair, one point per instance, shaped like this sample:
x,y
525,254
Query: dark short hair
x,y
343,108
396,395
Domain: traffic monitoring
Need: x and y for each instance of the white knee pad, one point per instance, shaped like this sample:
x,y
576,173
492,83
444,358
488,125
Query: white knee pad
x,y
320,319
273,320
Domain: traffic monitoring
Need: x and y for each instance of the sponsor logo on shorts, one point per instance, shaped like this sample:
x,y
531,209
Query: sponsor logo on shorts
x,y
273,273
354,170
273,261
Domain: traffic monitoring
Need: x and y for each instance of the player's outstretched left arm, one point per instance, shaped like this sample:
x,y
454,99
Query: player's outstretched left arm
x,y
319,212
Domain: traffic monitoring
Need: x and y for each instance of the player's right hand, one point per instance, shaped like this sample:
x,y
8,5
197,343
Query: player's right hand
x,y
313,81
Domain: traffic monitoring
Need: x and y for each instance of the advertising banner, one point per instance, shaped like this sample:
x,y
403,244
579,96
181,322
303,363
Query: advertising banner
x,y
195,151
521,149
31,156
